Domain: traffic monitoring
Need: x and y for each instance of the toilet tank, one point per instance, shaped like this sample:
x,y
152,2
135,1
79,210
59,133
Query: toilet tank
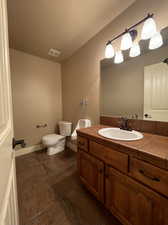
x,y
65,128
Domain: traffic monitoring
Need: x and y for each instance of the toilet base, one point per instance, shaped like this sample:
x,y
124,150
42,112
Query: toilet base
x,y
59,147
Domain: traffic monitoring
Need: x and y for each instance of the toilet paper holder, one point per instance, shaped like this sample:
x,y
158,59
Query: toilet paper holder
x,y
41,125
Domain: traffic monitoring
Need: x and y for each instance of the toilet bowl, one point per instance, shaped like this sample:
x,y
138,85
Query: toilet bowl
x,y
54,142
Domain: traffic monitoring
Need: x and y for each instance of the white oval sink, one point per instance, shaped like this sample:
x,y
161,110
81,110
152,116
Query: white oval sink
x,y
119,134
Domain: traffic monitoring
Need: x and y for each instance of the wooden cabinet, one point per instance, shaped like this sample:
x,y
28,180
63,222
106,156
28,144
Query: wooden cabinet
x,y
127,186
82,143
91,171
112,157
150,175
133,203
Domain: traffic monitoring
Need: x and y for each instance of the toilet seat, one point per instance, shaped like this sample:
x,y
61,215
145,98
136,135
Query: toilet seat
x,y
52,139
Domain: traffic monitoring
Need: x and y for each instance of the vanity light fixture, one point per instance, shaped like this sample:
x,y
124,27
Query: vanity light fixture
x,y
149,31
135,50
119,58
109,52
156,41
126,42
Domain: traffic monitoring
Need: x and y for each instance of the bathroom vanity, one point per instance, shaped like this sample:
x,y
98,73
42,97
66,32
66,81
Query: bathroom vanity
x,y
130,178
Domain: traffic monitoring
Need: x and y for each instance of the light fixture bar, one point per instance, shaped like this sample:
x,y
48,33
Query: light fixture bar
x,y
130,28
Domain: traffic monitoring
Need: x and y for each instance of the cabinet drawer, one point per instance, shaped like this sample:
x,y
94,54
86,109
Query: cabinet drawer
x,y
82,143
150,175
112,157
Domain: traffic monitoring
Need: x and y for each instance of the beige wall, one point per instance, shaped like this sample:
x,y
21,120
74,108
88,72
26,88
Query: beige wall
x,y
37,98
81,72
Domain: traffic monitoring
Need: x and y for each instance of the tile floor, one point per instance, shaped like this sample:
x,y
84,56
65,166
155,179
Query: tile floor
x,y
50,192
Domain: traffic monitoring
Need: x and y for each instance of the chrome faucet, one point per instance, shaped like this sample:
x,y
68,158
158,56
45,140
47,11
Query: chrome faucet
x,y
124,124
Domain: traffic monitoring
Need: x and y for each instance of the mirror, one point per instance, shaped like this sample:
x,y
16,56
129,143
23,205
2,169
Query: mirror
x,y
138,87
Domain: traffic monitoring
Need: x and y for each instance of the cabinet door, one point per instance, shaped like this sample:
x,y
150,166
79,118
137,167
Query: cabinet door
x,y
133,203
91,171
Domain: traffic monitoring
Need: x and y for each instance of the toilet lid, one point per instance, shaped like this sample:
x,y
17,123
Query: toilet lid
x,y
52,138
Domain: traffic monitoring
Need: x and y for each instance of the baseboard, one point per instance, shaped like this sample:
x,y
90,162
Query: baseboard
x,y
24,151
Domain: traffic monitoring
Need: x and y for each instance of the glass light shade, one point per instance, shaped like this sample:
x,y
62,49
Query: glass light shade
x,y
119,58
126,41
156,41
135,50
149,29
109,51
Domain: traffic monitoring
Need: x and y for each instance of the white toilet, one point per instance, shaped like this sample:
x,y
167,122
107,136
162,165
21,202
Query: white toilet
x,y
54,142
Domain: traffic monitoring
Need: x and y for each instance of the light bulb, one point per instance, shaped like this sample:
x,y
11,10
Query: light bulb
x,y
135,50
119,58
149,29
126,41
109,51
156,41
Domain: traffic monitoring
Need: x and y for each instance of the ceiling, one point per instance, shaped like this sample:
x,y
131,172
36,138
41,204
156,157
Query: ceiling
x,y
66,25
